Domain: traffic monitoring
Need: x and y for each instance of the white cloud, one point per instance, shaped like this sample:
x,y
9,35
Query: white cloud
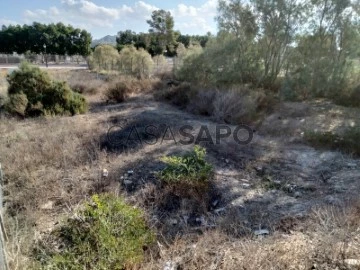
x,y
4,21
107,20
195,19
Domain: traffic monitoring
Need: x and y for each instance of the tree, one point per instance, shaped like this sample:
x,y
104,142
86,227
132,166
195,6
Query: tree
x,y
105,57
162,27
124,38
46,39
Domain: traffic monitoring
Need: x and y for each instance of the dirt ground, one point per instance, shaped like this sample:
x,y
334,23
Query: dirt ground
x,y
267,189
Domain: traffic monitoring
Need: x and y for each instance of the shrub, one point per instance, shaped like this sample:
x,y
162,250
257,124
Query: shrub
x,y
234,107
85,88
105,57
17,104
191,169
33,93
351,99
160,63
106,234
136,62
348,142
118,92
179,95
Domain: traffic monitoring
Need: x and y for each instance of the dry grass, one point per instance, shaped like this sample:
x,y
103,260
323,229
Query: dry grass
x,y
53,164
333,238
3,87
49,167
237,105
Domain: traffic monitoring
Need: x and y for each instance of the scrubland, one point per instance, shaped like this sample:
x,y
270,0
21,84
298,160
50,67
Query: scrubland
x,y
276,203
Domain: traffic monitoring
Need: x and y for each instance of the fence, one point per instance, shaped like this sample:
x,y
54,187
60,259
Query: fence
x,y
3,262
41,59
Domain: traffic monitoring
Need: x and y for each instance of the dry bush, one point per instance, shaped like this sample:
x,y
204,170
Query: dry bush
x,y
118,92
178,95
119,89
203,102
234,107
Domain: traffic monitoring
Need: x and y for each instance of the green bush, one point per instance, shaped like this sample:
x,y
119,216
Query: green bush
x,y
106,234
348,142
191,168
17,104
32,93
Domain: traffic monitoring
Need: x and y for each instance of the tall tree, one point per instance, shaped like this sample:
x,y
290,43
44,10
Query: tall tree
x,y
162,27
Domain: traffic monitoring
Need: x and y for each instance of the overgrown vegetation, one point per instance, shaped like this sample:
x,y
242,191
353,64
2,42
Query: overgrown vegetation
x,y
32,93
298,50
347,142
106,234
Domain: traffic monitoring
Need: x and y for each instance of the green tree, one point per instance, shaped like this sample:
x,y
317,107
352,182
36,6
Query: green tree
x,y
125,38
162,28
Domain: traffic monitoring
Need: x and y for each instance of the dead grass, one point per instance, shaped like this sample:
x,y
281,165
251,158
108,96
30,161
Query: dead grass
x,y
237,105
332,238
53,164
50,165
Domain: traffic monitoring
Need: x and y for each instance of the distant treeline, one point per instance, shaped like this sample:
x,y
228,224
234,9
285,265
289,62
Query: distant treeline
x,y
151,42
45,39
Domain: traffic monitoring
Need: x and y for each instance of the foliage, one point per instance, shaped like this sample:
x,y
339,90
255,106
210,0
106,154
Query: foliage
x,y
32,93
191,168
58,39
348,142
162,27
104,57
17,104
106,234
125,38
153,43
136,62
304,49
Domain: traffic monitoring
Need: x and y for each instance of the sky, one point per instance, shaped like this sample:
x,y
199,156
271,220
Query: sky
x,y
107,17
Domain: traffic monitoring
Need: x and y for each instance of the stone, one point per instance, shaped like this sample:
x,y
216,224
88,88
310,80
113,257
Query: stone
x,y
261,232
173,221
352,263
220,210
351,165
297,194
130,172
47,206
170,265
105,173
245,185
128,182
